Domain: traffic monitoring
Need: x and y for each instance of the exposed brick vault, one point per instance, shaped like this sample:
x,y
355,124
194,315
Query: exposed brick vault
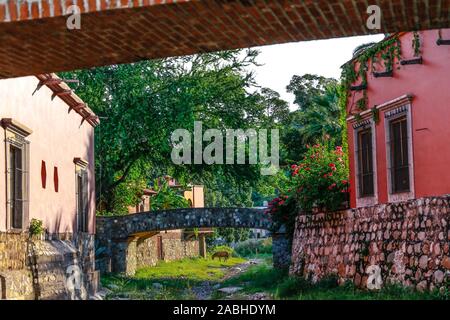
x,y
34,38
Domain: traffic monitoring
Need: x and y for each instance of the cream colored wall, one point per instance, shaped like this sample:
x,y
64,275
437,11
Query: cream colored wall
x,y
57,138
196,196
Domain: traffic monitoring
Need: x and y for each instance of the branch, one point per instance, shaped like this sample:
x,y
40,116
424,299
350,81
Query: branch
x,y
124,175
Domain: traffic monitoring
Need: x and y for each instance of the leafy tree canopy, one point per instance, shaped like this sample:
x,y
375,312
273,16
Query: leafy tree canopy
x,y
307,87
141,104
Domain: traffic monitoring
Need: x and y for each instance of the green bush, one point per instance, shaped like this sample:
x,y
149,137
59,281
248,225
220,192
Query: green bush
x,y
328,282
251,247
36,227
292,286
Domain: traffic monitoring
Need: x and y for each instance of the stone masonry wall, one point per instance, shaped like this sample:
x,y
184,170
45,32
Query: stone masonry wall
x,y
280,251
64,269
406,243
174,248
146,255
123,243
13,250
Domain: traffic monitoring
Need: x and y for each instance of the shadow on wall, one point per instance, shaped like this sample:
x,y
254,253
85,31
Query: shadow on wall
x,y
2,288
54,226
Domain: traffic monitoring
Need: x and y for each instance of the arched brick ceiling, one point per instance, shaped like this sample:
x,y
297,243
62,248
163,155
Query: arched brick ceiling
x,y
34,38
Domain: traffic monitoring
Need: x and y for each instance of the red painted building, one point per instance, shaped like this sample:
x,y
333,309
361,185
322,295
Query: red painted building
x,y
398,117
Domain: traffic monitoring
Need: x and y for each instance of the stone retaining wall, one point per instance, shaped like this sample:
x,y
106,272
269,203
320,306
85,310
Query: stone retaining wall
x,y
127,255
405,243
174,248
281,250
64,269
13,248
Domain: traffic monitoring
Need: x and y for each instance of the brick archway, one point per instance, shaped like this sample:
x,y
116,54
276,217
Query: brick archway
x,y
35,39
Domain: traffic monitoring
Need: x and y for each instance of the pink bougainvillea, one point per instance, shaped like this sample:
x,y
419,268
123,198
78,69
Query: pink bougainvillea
x,y
319,180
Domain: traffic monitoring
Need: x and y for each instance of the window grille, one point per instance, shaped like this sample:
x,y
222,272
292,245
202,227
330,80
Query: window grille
x,y
17,172
399,155
82,201
364,156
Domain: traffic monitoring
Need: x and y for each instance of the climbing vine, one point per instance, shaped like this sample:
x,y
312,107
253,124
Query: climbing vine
x,y
375,114
391,54
361,104
358,117
416,44
388,50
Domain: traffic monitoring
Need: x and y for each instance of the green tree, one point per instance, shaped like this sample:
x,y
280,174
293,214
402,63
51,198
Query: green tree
x,y
166,197
318,116
141,104
308,87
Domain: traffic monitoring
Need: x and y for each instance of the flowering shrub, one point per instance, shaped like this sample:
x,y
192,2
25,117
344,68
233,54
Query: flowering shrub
x,y
283,211
319,180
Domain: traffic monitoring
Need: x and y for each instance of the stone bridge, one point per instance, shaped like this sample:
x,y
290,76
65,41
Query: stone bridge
x,y
116,235
42,36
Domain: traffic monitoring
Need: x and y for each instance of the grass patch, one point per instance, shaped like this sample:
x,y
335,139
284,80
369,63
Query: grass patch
x,y
349,292
263,278
258,278
167,280
195,269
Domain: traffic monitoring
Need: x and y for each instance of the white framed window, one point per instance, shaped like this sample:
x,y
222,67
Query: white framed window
x,y
399,153
365,163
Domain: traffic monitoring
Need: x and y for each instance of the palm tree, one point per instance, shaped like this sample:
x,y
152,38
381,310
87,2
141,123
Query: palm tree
x,y
322,119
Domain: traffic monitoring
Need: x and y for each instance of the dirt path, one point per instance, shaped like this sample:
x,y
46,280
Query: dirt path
x,y
205,290
208,288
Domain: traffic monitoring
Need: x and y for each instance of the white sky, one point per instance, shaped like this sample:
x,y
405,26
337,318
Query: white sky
x,y
323,57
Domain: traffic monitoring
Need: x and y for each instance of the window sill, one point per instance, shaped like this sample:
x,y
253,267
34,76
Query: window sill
x,y
17,231
366,201
400,196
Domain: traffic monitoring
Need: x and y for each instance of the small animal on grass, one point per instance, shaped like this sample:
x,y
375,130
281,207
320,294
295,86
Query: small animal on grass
x,y
221,254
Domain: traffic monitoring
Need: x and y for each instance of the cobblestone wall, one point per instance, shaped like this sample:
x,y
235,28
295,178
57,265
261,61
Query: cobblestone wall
x,y
64,269
405,243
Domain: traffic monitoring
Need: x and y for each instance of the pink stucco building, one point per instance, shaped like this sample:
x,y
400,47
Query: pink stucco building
x,y
399,122
47,156
47,167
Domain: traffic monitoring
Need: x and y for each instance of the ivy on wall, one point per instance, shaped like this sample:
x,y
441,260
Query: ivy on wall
x,y
386,53
361,104
416,44
389,50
